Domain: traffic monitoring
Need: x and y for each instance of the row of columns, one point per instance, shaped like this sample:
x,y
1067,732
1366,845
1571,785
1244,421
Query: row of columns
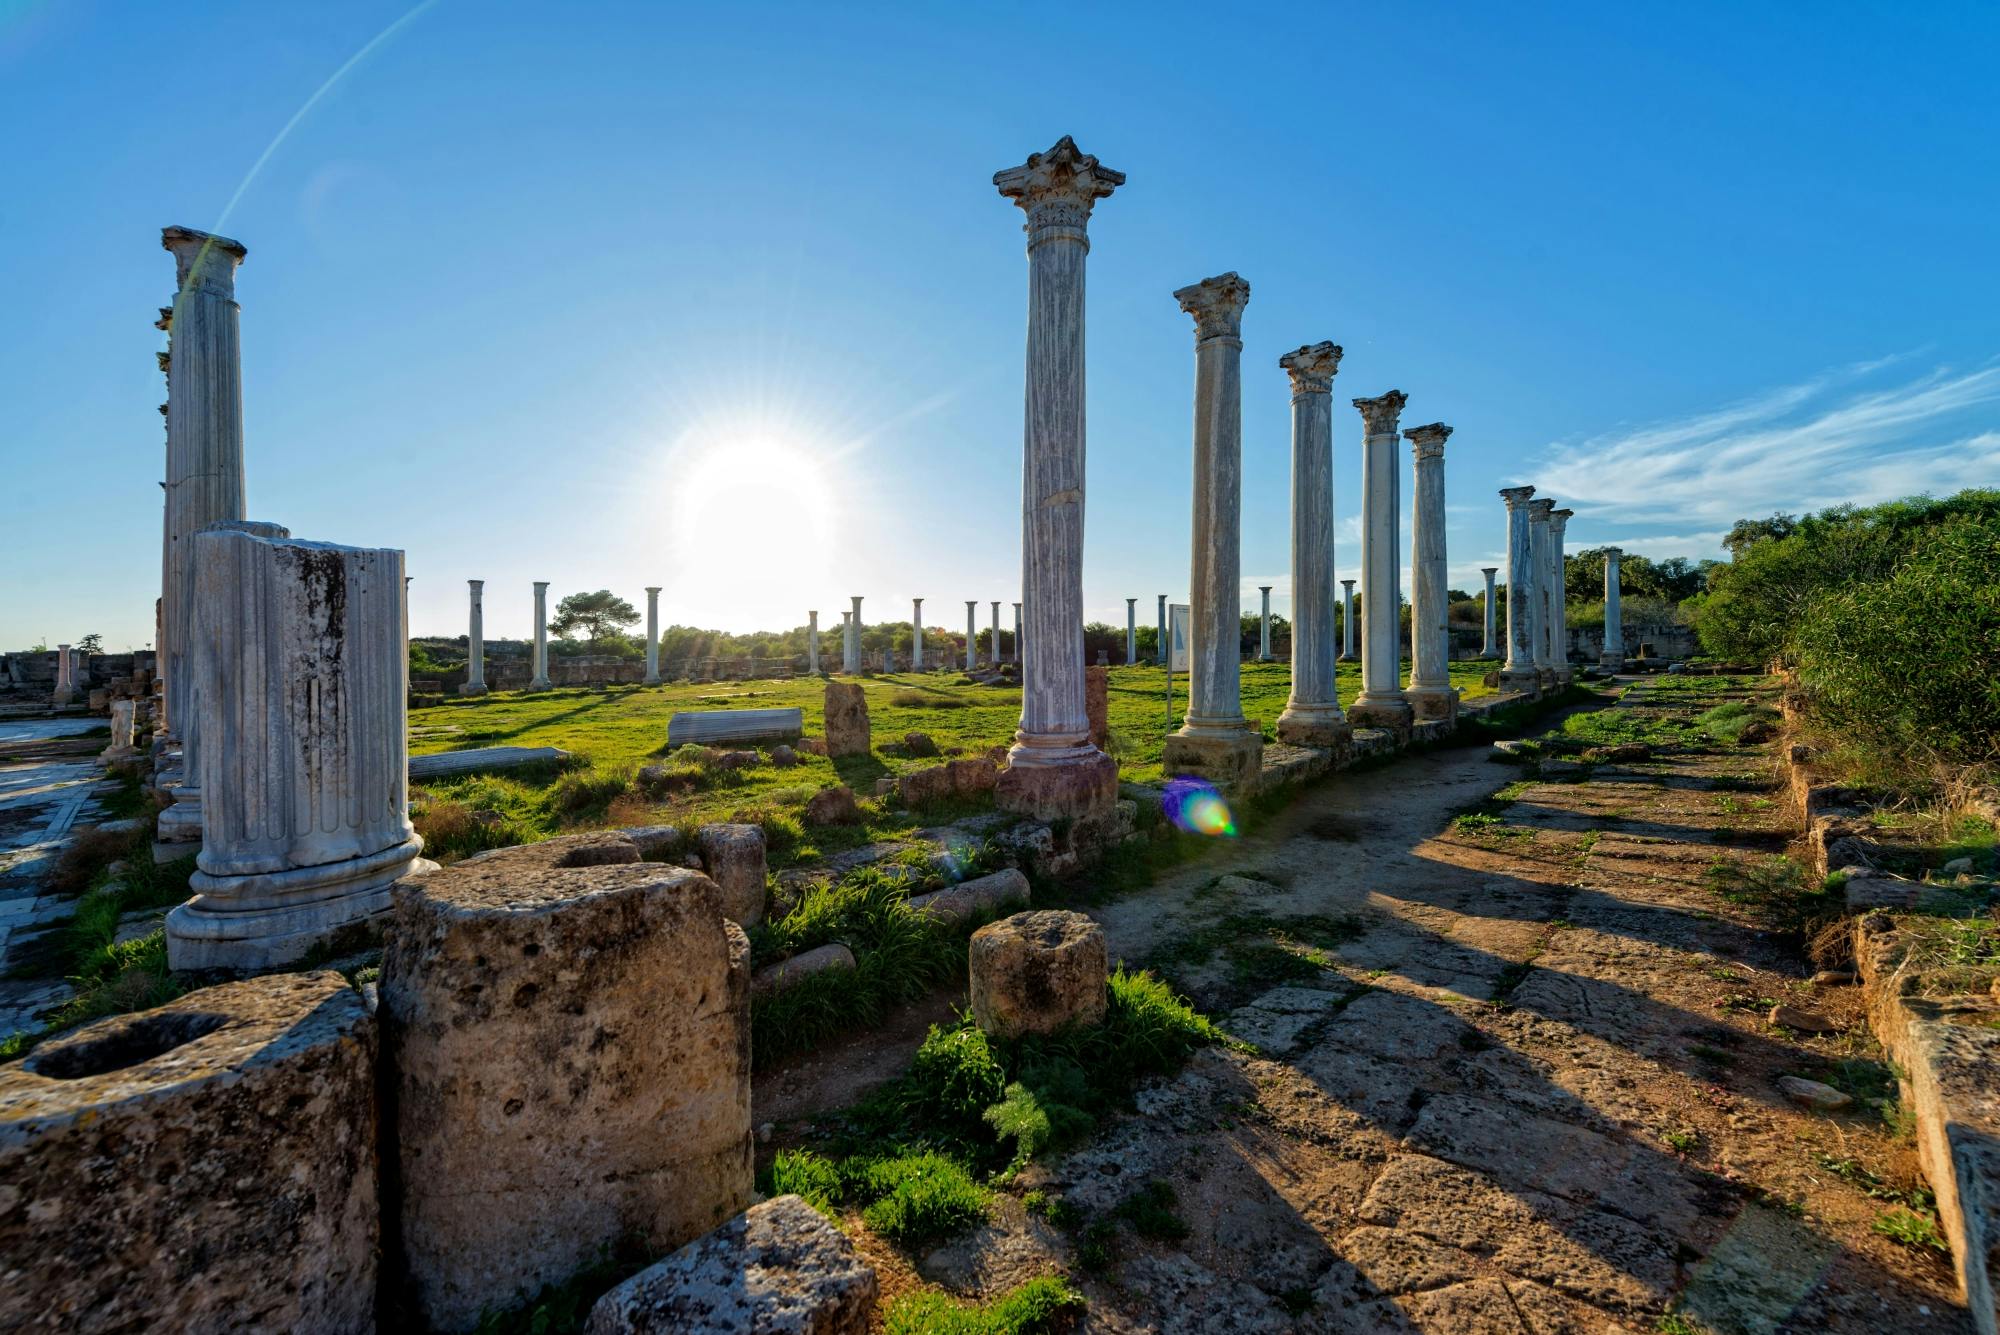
x,y
1537,612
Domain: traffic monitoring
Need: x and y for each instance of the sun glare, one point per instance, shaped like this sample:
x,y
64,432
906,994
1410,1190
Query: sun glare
x,y
755,506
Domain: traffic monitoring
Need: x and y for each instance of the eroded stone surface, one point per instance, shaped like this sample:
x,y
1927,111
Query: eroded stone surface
x,y
847,732
733,857
1037,972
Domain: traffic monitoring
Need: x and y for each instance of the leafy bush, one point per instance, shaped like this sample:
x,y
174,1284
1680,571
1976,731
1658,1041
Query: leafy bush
x,y
1039,1307
812,1177
921,1198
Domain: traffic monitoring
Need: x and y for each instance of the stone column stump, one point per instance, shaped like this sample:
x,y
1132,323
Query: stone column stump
x,y
206,1166
1097,704
569,1035
846,722
1037,972
733,857
777,1267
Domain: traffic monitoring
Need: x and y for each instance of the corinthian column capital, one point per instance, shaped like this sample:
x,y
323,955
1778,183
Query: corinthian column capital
x,y
1516,497
1427,442
1057,190
203,261
1217,305
1558,520
1312,367
1379,414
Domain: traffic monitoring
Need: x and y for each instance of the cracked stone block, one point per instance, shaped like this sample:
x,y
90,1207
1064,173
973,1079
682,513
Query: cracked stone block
x,y
1037,972
569,1036
206,1166
733,856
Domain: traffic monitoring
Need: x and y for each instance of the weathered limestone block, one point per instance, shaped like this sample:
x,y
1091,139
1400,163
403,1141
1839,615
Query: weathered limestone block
x,y
967,900
706,727
733,856
571,1048
475,760
1097,703
778,1268
846,720
833,806
1036,972
206,1166
790,973
921,787
973,775
919,744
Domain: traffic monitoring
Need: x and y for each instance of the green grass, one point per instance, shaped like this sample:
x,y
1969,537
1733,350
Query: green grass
x,y
1726,721
1038,1307
1919,1231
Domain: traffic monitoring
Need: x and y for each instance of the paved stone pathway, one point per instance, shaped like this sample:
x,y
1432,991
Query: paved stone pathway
x,y
1532,1092
46,790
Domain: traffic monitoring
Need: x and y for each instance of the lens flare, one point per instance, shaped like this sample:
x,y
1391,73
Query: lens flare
x,y
1196,807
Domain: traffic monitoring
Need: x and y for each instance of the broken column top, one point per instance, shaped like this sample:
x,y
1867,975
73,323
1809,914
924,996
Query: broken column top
x,y
210,259
1379,414
1539,507
1515,495
1059,187
1216,304
1428,441
1312,367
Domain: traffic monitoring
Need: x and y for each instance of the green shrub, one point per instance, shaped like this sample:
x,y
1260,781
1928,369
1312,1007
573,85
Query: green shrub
x,y
588,790
920,1199
808,1175
955,1077
1039,1307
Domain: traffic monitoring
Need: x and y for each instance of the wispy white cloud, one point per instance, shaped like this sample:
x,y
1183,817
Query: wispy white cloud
x,y
1800,447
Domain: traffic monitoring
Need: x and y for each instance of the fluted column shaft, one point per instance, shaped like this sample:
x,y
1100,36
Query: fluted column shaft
x,y
971,634
1348,617
854,638
1016,658
812,643
475,640
993,657
1264,623
1162,646
1215,703
1538,560
204,475
540,680
1131,630
1519,671
1312,715
916,635
1381,701
1488,646
1612,654
1430,602
652,635
1559,596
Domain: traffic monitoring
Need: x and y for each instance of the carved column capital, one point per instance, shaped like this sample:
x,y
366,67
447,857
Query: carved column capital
x,y
1427,442
1217,305
203,261
1379,414
1312,367
1057,190
1516,497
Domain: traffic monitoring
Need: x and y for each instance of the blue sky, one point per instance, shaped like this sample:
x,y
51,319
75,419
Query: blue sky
x,y
722,298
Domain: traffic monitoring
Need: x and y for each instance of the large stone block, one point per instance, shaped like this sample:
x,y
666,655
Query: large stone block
x,y
570,1042
967,900
847,731
206,1166
733,856
1036,972
709,726
778,1267
1079,790
1097,703
1226,759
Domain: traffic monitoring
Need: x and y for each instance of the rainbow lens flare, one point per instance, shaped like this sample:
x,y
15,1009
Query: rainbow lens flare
x,y
1196,807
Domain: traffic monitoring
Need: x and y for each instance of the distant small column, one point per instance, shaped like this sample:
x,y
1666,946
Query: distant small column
x,y
475,641
1347,611
1381,703
1518,673
1018,659
1131,630
652,634
1313,716
1559,596
1489,647
1264,624
540,680
65,692
1163,646
916,635
812,643
1612,656
1538,561
994,658
854,637
971,634
1430,693
1215,742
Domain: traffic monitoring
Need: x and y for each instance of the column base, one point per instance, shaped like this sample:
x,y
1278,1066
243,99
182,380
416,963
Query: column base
x,y
1348,658
270,919
181,822
1222,758
1083,788
649,681
1545,678
1432,702
470,688
539,684
1565,675
1392,712
1612,662
1315,725
1520,681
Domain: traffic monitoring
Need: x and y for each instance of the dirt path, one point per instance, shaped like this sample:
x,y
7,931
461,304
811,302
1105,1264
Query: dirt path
x,y
1514,1076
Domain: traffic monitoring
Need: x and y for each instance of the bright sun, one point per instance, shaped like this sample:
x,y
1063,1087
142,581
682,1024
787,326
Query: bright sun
x,y
754,506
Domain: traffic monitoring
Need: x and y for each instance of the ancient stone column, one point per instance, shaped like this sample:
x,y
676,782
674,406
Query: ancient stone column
x,y
1430,693
1538,561
1017,635
1612,655
652,677
1381,703
812,643
1488,646
1312,716
1053,769
540,680
1264,625
1518,673
1559,598
1163,646
916,635
1347,618
204,478
1215,742
995,657
475,641
971,634
65,692
301,680
854,637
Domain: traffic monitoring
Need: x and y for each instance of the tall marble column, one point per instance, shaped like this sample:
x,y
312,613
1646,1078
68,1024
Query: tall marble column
x,y
1348,616
1053,770
305,814
994,657
1559,598
1163,646
652,635
1264,624
1131,631
1215,741
812,643
971,634
1612,655
854,637
1017,635
916,635
1518,673
65,692
204,477
540,680
1488,646
1538,559
1381,703
1430,693
1313,716
475,641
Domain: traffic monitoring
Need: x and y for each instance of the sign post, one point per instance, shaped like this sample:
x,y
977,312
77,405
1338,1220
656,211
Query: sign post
x,y
1178,616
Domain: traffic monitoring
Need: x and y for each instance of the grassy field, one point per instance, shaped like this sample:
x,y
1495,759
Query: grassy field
x,y
615,730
